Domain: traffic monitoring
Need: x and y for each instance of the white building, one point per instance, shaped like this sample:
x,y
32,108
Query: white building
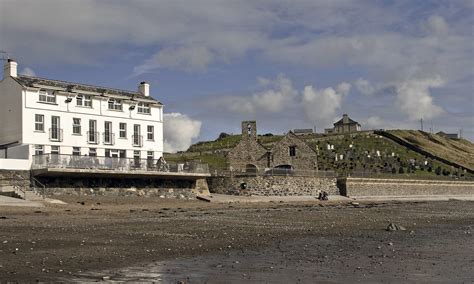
x,y
41,116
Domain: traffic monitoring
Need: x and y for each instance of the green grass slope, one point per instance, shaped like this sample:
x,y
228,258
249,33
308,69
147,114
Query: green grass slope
x,y
363,153
459,151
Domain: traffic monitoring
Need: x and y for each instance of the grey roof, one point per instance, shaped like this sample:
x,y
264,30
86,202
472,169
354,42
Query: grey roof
x,y
341,121
28,81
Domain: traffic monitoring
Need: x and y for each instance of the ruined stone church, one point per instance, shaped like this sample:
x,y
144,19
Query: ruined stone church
x,y
290,153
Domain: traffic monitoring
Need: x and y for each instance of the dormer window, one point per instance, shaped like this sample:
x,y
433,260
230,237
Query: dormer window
x,y
84,100
143,108
47,96
115,104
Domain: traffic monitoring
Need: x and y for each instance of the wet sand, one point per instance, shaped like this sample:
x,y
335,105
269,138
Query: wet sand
x,y
133,239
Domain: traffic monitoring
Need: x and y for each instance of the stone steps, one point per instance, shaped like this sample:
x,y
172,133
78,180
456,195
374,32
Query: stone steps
x,y
32,196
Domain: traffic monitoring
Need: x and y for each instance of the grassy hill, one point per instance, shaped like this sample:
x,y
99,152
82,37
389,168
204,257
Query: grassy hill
x,y
361,153
460,151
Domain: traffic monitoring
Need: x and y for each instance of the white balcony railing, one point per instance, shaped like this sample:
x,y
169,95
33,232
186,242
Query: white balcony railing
x,y
108,138
92,137
56,134
137,140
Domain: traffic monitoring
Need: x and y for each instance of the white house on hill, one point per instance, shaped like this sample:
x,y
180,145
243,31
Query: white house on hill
x,y
41,116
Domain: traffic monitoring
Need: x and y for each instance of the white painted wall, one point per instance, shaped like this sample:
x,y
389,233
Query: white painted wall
x,y
98,112
15,164
19,105
10,111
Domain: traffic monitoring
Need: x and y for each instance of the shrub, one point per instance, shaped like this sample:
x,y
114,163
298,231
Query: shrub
x,y
222,136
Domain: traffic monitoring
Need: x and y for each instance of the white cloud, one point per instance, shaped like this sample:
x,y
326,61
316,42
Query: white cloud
x,y
414,98
364,87
277,95
179,131
375,122
321,105
195,58
435,25
28,72
280,99
280,94
343,88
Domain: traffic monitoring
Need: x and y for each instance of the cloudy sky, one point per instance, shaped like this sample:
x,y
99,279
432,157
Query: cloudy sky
x,y
288,64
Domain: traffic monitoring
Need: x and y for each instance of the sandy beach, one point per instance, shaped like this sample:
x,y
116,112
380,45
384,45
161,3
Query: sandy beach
x,y
153,239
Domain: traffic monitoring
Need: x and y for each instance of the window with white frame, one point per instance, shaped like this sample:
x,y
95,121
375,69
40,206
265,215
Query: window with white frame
x,y
136,159
39,122
55,150
143,108
112,153
39,149
47,96
122,130
93,152
108,135
150,132
93,137
87,101
115,104
149,155
79,100
54,154
149,159
84,100
76,151
137,137
76,126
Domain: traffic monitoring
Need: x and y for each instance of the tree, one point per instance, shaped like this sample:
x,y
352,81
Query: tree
x,y
222,136
438,171
400,170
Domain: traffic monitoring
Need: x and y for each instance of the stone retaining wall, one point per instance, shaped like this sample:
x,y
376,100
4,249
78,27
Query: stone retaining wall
x,y
184,193
273,185
165,188
403,187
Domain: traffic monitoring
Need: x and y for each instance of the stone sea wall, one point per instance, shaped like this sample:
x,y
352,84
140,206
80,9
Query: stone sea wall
x,y
403,187
165,188
184,193
273,185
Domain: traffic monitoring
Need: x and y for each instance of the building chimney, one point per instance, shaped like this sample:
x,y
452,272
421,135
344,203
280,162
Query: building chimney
x,y
345,118
10,68
144,89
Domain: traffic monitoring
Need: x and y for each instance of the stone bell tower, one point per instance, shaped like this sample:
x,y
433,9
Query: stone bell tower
x,y
249,130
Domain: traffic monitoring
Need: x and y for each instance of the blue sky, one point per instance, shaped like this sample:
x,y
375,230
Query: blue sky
x,y
287,64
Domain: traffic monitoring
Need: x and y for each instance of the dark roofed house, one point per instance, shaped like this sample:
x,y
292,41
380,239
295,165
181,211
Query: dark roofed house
x,y
448,135
345,125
